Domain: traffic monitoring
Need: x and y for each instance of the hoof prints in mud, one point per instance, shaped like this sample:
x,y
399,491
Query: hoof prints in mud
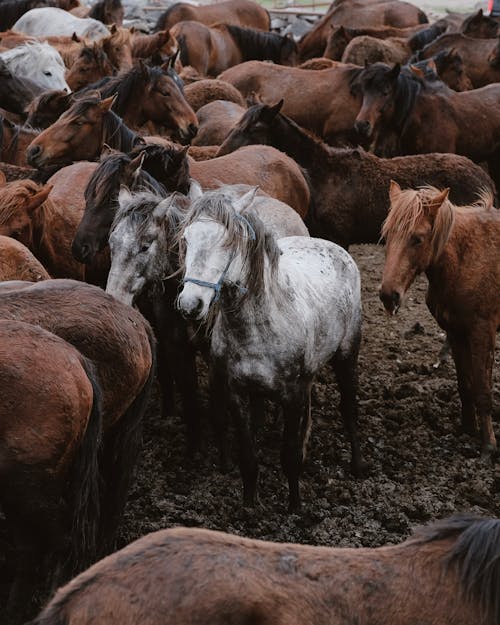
x,y
418,466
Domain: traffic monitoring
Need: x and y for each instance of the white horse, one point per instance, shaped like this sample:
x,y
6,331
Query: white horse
x,y
48,21
39,62
282,309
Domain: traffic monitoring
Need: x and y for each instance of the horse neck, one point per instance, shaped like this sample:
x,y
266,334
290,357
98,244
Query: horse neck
x,y
299,145
117,134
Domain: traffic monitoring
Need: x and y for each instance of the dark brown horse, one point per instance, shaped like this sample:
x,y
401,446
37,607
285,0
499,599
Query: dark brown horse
x,y
212,49
329,109
359,15
345,209
478,56
447,66
14,140
455,561
459,250
47,108
50,431
16,93
404,114
244,13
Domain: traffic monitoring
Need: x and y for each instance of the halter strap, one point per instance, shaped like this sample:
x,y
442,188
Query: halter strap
x,y
217,286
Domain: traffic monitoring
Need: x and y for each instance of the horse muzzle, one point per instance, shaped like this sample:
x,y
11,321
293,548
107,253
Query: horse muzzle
x,y
390,299
363,128
190,306
188,133
34,155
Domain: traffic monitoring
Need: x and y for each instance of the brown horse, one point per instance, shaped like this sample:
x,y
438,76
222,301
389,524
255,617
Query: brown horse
x,y
345,209
478,55
244,13
157,44
47,108
447,66
459,250
18,263
366,50
91,66
216,120
118,340
50,429
454,561
14,140
204,91
212,49
329,109
359,15
407,115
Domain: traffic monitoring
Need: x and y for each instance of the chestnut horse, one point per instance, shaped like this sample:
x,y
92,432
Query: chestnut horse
x,y
18,263
454,561
329,109
91,66
459,250
345,209
407,115
216,120
245,13
204,91
212,49
50,430
359,15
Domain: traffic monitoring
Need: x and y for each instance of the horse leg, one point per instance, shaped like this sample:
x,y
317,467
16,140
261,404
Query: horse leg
x,y
346,374
483,338
247,459
460,349
296,416
218,414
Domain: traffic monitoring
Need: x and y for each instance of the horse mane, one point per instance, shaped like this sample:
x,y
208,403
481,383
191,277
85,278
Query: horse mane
x,y
97,12
475,556
258,45
16,129
168,165
247,237
14,194
37,47
94,52
412,205
103,181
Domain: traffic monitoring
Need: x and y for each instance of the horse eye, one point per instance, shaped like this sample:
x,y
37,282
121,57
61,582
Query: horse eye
x,y
48,73
416,240
145,248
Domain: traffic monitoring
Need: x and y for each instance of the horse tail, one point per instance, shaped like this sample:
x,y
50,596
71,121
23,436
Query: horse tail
x,y
184,49
476,557
120,452
84,485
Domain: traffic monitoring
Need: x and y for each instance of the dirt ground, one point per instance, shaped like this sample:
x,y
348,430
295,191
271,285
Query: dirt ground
x,y
419,467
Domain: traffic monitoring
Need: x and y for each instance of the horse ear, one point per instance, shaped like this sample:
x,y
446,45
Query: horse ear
x,y
39,198
106,104
394,72
437,201
113,29
394,190
432,66
75,37
180,154
3,179
268,113
416,71
132,30
107,150
144,70
135,165
244,202
195,190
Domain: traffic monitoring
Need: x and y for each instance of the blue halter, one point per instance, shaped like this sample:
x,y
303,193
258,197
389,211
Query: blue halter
x,y
217,286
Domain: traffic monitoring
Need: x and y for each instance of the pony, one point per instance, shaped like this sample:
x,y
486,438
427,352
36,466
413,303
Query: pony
x,y
91,66
447,66
39,62
244,13
52,21
80,134
330,108
204,91
18,263
344,209
478,56
216,120
250,278
50,445
46,108
14,140
454,560
395,102
359,15
480,26
162,102
212,49
458,249
16,93
120,343
118,47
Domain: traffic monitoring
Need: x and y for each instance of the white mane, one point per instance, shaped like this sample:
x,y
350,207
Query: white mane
x,y
39,62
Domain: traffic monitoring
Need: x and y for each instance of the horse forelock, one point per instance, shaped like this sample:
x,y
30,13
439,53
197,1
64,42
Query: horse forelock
x,y
13,196
474,555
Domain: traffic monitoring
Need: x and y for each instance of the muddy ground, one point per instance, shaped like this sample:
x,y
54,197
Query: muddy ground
x,y
419,467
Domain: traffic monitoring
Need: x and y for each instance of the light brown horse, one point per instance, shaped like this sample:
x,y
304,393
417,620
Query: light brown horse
x,y
459,250
161,43
359,15
446,573
216,120
329,109
244,13
91,66
18,263
365,50
212,49
50,428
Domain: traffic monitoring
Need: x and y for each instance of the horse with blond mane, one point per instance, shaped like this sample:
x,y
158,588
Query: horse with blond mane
x,y
459,250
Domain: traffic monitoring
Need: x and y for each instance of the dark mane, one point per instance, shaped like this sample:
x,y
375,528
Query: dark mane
x,y
15,137
261,46
475,556
167,165
98,11
426,36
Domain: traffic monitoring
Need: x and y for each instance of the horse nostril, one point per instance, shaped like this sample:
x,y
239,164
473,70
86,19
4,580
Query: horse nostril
x,y
390,299
32,153
363,127
396,299
193,129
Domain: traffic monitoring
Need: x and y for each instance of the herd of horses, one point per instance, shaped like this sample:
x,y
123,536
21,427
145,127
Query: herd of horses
x,y
194,191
